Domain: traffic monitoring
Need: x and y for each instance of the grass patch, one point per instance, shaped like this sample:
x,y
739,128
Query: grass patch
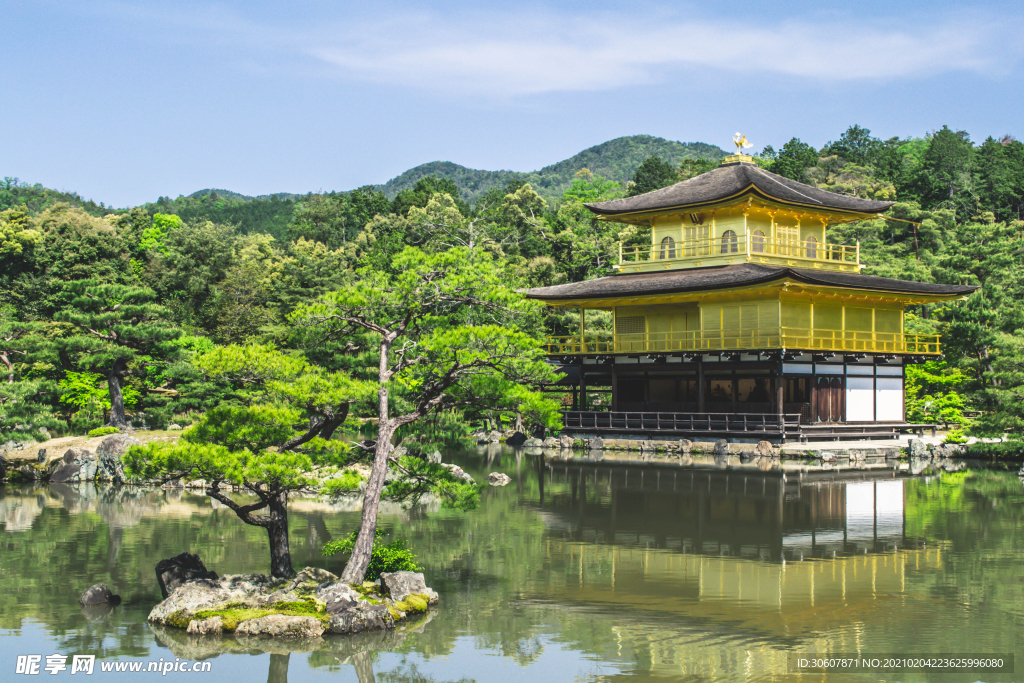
x,y
235,613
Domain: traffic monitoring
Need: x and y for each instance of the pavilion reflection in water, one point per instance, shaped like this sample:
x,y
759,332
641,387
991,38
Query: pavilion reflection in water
x,y
771,515
709,572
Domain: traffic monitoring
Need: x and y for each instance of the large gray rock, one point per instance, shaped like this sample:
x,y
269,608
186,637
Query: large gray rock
x,y
116,445
565,441
202,594
493,437
204,627
362,617
309,578
457,471
918,449
721,447
498,479
98,595
516,439
66,474
281,626
337,596
827,456
533,443
173,572
595,444
550,442
109,453
400,585
29,472
765,449
685,446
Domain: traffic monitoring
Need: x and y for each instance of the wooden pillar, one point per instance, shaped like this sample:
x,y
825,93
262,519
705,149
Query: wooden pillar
x,y
583,331
615,388
779,392
700,385
583,388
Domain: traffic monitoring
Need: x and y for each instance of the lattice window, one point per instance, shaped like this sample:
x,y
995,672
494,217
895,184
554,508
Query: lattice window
x,y
630,324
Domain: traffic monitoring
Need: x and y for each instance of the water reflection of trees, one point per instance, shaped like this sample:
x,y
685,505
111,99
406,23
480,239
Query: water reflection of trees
x,y
529,568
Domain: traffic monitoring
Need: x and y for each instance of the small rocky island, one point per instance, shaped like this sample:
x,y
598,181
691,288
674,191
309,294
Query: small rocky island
x,y
308,605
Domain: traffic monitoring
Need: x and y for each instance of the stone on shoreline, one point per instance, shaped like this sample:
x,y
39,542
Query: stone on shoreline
x,y
400,585
109,453
211,626
173,572
98,595
498,479
515,439
281,626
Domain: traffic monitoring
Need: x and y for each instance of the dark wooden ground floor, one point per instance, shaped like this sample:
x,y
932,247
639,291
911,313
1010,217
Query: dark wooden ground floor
x,y
796,396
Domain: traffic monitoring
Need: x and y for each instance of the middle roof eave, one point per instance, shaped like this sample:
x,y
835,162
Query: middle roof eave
x,y
740,275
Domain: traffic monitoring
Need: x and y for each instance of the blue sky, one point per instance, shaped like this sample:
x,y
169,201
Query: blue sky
x,y
126,101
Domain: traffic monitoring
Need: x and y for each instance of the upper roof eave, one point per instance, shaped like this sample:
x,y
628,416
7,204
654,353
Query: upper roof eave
x,y
733,180
749,190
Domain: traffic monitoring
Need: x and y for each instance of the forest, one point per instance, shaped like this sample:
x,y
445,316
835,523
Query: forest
x,y
149,295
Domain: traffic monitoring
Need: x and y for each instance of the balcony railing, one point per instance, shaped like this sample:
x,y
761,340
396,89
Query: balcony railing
x,y
683,423
745,340
746,246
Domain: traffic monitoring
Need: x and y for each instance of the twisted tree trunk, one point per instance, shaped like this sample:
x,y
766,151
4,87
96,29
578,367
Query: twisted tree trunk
x,y
117,372
359,560
277,532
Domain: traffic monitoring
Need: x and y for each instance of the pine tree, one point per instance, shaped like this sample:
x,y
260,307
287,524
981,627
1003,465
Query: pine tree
x,y
120,332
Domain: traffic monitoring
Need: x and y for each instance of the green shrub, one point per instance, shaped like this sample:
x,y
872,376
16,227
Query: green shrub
x,y
103,431
955,436
385,557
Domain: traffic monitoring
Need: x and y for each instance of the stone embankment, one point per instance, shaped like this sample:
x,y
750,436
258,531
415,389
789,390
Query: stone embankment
x,y
83,459
566,448
309,605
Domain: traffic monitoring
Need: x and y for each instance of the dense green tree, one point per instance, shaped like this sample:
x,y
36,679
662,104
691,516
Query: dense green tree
x,y
121,333
198,256
336,218
653,174
856,146
253,443
449,334
793,160
691,168
425,188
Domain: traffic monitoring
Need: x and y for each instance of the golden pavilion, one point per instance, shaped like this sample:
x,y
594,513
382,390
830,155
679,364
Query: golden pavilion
x,y
740,319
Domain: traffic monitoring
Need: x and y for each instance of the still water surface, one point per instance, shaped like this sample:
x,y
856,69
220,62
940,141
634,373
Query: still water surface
x,y
567,574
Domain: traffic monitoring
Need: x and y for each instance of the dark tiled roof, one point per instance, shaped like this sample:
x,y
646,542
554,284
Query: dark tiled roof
x,y
732,180
720,277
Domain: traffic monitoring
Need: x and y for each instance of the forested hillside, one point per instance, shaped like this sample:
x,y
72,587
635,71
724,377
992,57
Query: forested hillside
x,y
211,270
615,160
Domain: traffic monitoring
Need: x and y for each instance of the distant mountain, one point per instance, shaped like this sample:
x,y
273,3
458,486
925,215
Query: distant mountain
x,y
616,160
228,194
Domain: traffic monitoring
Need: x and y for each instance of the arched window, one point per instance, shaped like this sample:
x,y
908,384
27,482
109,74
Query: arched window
x,y
812,246
757,242
729,244
668,248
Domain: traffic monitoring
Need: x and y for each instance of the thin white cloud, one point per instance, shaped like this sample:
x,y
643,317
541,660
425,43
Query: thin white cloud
x,y
502,57
508,53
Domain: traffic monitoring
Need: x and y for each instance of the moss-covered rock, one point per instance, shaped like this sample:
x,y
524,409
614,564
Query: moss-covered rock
x,y
251,605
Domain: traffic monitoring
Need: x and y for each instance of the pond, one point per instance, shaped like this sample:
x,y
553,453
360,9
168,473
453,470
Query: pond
x,y
569,573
